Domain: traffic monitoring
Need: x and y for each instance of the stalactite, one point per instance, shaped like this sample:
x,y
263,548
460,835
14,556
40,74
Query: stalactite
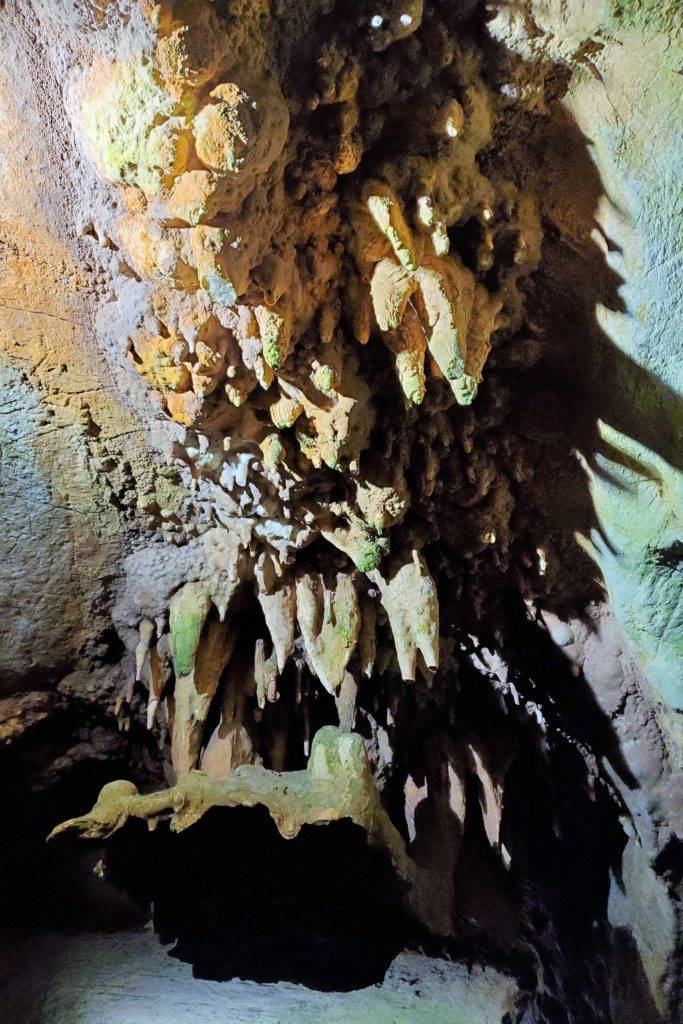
x,y
264,280
329,621
411,604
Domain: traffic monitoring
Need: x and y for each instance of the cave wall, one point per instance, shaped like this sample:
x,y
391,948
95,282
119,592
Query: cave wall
x,y
55,279
623,98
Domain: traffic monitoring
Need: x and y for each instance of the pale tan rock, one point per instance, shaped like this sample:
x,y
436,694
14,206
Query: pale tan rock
x,y
420,298
410,600
224,566
229,747
161,672
146,630
230,744
329,621
336,784
391,287
279,611
345,699
446,342
386,212
485,311
265,675
194,692
409,345
367,642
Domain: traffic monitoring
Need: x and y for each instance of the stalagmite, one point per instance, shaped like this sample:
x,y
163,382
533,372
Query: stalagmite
x,y
305,713
230,743
345,699
265,675
229,747
367,643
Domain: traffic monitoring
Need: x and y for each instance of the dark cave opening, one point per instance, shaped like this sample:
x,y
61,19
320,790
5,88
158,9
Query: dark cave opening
x,y
236,900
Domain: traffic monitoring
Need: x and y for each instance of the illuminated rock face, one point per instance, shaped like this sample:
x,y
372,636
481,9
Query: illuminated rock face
x,y
264,277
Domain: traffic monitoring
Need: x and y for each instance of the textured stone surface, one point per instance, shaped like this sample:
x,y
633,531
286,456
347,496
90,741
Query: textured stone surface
x,y
634,134
126,977
337,784
298,347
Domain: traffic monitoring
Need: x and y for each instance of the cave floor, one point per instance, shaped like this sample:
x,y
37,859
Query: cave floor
x,y
129,978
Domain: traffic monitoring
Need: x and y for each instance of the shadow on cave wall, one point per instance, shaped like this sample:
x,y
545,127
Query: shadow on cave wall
x,y
582,376
562,818
560,827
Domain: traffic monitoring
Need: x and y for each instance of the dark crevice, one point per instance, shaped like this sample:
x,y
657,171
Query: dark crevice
x,y
238,901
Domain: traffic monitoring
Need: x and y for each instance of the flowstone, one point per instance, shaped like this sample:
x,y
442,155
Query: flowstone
x,y
336,784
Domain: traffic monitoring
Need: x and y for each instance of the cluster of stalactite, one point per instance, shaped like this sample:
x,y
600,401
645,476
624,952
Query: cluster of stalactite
x,y
300,231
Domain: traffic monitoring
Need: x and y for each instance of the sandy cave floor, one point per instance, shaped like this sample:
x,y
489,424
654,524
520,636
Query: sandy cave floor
x,y
129,978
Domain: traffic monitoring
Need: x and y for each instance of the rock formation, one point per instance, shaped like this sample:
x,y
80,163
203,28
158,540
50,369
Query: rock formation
x,y
264,247
343,442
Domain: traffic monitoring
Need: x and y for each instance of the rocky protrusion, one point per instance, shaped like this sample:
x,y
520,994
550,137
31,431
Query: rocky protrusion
x,y
336,784
410,600
329,621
